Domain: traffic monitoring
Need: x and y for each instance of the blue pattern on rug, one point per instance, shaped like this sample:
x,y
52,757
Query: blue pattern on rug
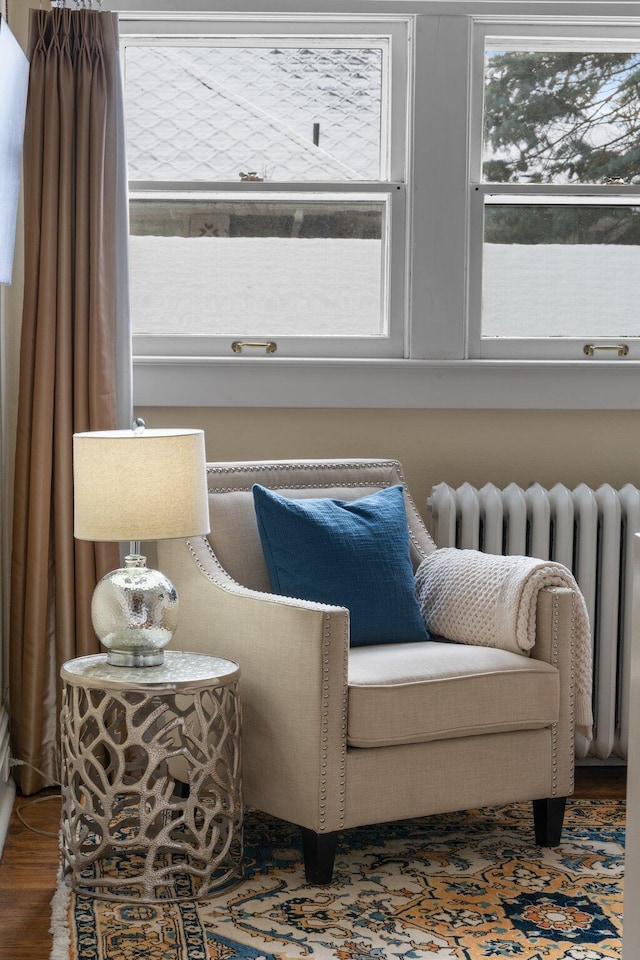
x,y
460,886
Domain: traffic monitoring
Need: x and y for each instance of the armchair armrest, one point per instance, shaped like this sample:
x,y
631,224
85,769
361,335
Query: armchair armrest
x,y
556,619
473,597
293,657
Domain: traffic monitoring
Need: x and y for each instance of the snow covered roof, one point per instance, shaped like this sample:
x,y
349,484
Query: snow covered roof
x,y
212,113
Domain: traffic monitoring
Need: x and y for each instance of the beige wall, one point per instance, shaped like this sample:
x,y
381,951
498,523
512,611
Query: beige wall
x,y
433,445
18,16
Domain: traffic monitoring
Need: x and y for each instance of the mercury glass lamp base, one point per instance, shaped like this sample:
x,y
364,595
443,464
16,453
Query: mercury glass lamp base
x,y
134,612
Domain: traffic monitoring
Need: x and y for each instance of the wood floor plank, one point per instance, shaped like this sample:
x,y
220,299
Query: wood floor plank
x,y
30,863
600,783
28,879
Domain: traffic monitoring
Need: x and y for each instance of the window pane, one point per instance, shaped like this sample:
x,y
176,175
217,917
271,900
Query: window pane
x,y
561,270
279,112
561,116
282,266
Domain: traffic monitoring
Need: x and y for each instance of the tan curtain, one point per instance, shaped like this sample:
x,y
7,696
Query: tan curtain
x,y
71,335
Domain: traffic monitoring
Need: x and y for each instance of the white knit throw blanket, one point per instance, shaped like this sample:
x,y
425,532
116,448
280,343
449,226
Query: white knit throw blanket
x,y
491,601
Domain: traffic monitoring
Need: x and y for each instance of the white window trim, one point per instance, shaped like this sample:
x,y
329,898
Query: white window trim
x,y
386,384
448,379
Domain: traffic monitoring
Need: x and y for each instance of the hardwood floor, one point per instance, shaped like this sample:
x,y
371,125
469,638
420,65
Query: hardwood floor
x,y
30,863
600,783
28,880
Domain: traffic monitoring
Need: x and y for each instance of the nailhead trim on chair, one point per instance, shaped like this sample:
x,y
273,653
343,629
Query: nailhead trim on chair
x,y
326,637
227,580
362,465
572,698
325,730
305,465
299,486
217,564
302,465
554,727
416,512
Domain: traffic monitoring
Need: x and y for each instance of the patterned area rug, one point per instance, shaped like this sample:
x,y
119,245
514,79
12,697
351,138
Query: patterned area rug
x,y
463,886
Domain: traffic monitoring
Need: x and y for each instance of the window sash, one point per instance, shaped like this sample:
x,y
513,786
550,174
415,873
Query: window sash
x,y
544,35
392,186
180,29
393,291
538,348
540,35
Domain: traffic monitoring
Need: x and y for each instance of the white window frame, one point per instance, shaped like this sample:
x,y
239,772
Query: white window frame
x,y
390,189
438,370
545,36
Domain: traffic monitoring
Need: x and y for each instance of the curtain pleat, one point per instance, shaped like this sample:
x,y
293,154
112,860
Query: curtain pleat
x,y
74,338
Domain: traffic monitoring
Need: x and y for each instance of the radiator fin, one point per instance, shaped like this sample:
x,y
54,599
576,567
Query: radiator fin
x,y
588,530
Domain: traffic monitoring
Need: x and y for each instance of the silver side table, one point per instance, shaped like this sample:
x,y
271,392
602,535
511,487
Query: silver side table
x,y
151,778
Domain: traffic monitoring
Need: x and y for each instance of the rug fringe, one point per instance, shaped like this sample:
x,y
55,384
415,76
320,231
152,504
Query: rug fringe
x,y
59,921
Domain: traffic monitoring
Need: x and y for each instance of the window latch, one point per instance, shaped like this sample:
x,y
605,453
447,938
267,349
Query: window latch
x,y
270,346
622,349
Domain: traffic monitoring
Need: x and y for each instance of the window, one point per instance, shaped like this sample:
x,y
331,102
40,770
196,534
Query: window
x,y
399,204
555,214
268,187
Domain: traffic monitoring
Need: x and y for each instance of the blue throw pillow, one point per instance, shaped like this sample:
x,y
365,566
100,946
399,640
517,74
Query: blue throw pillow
x,y
348,553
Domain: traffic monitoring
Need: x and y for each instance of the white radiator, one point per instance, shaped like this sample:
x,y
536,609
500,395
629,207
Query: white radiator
x,y
590,532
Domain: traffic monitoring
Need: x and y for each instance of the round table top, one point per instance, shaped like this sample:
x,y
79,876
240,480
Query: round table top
x,y
180,671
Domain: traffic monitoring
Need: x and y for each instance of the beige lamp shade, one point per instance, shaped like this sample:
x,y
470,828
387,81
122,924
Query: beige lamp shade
x,y
139,485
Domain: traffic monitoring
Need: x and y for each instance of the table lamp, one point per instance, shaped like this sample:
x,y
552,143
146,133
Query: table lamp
x,y
133,485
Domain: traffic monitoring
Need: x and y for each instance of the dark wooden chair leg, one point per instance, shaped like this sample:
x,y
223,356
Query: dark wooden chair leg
x,y
548,816
319,850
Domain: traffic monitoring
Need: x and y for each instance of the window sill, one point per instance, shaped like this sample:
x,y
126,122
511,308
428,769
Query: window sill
x,y
410,384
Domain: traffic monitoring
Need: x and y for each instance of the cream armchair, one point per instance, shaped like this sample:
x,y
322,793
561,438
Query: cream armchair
x,y
335,737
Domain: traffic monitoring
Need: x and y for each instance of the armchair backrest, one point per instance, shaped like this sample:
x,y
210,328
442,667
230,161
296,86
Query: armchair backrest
x,y
234,533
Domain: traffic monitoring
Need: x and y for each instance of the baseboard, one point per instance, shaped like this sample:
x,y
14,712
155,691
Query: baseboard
x,y
7,796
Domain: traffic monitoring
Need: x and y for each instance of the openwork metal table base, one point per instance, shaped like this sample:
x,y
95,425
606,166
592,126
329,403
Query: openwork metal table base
x,y
151,784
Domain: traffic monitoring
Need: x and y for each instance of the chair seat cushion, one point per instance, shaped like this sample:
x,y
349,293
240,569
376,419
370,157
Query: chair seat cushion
x,y
411,693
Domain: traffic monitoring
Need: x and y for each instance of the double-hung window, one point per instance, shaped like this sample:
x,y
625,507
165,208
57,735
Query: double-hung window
x,y
267,164
384,202
554,241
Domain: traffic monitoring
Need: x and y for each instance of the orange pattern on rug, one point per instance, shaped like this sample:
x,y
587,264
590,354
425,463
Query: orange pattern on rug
x,y
461,886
